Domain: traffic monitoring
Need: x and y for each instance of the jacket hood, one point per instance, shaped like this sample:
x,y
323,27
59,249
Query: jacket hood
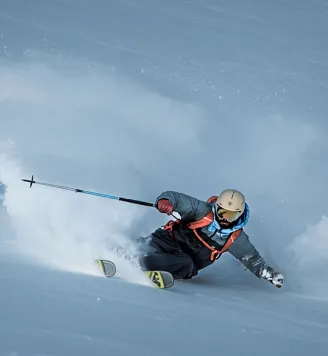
x,y
215,226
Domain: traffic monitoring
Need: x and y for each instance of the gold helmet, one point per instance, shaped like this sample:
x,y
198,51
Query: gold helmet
x,y
230,205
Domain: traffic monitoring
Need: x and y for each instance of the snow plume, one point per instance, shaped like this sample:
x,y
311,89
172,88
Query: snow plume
x,y
64,230
75,124
309,259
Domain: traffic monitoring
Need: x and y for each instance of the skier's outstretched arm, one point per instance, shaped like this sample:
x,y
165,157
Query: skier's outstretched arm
x,y
247,254
189,208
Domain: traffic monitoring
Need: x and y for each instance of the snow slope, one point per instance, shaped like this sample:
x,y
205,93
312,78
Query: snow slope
x,y
57,313
134,98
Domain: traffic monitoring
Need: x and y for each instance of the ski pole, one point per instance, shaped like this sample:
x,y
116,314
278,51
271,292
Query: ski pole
x,y
32,181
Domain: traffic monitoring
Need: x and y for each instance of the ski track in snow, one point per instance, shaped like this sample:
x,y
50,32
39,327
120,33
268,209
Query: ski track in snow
x,y
89,94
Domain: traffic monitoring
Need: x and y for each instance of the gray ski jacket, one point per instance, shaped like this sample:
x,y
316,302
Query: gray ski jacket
x,y
192,209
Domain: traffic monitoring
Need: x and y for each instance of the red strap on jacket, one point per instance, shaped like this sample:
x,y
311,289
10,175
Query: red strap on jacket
x,y
217,253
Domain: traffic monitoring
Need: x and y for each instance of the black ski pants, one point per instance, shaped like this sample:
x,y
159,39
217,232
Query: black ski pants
x,y
167,254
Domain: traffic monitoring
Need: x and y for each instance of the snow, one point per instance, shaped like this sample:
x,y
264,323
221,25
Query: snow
x,y
134,98
59,313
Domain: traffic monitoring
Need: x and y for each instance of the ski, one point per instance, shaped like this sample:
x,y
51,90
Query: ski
x,y
159,279
107,267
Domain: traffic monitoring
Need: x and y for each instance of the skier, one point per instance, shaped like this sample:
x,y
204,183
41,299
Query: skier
x,y
205,231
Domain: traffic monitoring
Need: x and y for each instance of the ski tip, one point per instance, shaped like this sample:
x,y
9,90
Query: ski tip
x,y
108,268
160,279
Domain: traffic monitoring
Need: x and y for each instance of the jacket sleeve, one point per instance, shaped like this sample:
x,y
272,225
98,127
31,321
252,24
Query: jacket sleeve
x,y
188,207
243,250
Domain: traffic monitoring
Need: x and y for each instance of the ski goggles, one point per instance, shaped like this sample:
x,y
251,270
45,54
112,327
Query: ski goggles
x,y
228,215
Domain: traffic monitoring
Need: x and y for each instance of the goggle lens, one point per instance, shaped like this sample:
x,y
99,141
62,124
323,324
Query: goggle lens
x,y
228,215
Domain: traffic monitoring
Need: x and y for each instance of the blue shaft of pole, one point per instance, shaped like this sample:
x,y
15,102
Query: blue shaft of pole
x,y
98,194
